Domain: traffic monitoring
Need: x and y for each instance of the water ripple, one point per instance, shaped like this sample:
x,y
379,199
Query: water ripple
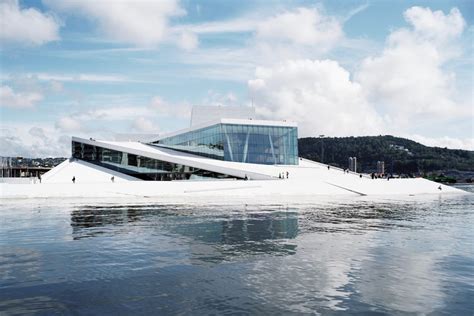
x,y
305,257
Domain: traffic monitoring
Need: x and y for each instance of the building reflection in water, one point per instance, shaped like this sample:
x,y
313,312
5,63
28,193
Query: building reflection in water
x,y
92,221
329,257
232,233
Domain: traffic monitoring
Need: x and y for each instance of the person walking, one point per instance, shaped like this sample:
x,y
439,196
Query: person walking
x,y
74,179
39,178
287,174
112,179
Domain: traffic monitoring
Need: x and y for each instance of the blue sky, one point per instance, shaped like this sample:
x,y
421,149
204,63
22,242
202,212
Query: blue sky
x,y
339,68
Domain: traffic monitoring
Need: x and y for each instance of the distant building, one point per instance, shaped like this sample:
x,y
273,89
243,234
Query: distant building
x,y
380,167
353,164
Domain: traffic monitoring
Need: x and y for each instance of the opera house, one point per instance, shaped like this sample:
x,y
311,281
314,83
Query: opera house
x,y
225,151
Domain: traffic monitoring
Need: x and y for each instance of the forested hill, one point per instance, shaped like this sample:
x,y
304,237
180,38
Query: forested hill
x,y
399,154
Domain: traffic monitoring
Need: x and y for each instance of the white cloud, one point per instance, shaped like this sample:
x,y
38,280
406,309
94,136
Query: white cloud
x,y
406,90
161,107
188,40
446,141
239,25
435,25
319,95
307,26
10,98
142,124
68,124
101,121
37,141
216,98
37,132
26,26
65,77
140,22
80,77
302,26
288,34
121,113
408,80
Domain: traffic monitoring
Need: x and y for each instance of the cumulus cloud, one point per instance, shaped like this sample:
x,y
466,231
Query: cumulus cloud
x,y
288,33
302,26
407,80
68,124
140,118
161,107
145,125
216,98
319,95
36,141
101,122
405,90
305,25
435,25
139,22
26,26
445,141
37,132
10,98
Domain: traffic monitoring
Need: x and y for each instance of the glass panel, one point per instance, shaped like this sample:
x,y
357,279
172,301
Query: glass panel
x,y
141,167
228,142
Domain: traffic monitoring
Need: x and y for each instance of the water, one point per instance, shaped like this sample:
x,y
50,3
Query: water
x,y
265,257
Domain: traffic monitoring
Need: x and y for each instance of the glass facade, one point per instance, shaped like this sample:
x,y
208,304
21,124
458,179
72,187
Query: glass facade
x,y
239,143
141,167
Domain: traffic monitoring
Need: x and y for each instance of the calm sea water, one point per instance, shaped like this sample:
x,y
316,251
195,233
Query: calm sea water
x,y
264,257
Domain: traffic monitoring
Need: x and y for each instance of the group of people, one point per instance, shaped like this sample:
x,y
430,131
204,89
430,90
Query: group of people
x,y
281,175
374,175
345,171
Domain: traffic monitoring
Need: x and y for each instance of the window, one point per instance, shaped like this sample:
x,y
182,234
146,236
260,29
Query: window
x,y
141,167
240,143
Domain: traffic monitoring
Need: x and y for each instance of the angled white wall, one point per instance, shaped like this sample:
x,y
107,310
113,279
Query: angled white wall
x,y
84,172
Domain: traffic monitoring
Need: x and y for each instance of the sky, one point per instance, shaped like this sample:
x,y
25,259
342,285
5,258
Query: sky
x,y
93,68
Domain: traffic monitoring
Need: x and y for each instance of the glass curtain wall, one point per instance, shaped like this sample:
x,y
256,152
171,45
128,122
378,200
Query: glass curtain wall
x,y
141,167
207,142
240,143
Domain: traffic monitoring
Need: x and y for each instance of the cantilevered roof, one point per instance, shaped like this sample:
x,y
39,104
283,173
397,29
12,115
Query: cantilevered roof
x,y
236,169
